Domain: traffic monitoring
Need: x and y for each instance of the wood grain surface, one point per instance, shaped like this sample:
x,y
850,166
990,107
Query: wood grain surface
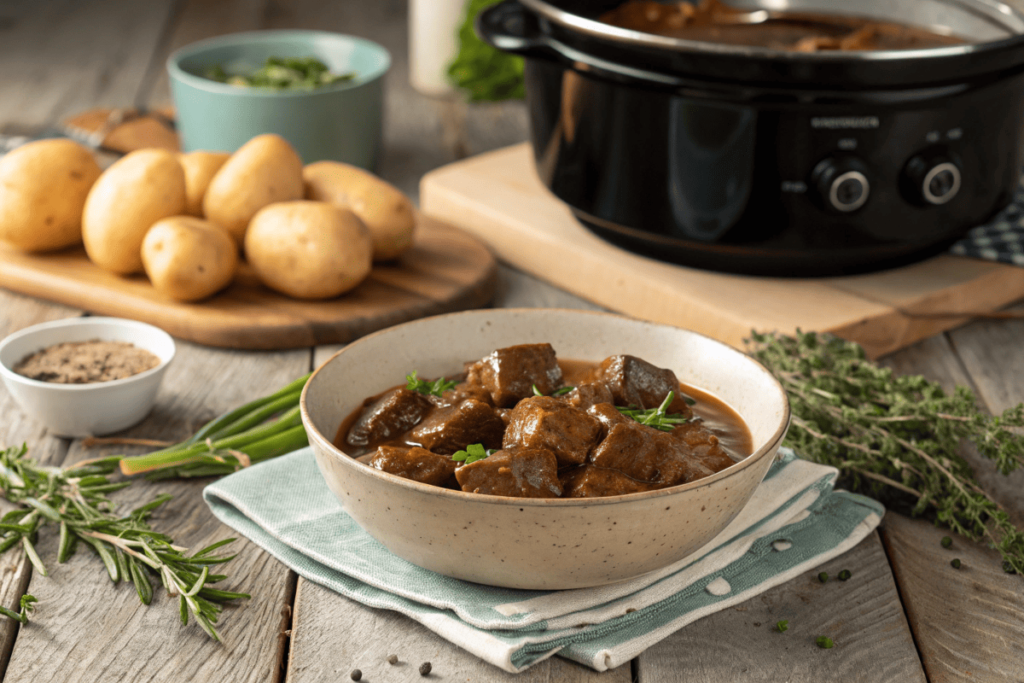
x,y
499,198
445,270
862,616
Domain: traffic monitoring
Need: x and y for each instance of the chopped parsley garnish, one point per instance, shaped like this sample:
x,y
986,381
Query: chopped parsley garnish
x,y
435,388
558,392
473,452
782,626
824,642
656,417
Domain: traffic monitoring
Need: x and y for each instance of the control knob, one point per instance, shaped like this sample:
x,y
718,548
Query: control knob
x,y
932,177
842,183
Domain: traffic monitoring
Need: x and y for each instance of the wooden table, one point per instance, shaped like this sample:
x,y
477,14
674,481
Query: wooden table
x,y
905,615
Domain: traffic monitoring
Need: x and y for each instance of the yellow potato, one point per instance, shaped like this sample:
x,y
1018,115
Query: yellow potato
x,y
263,171
200,167
308,250
43,186
387,213
188,259
133,194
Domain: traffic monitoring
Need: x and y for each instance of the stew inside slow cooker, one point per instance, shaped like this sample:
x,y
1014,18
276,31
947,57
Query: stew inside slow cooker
x,y
520,422
713,21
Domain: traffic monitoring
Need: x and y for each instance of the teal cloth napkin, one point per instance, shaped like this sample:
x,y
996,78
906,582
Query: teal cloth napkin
x,y
794,522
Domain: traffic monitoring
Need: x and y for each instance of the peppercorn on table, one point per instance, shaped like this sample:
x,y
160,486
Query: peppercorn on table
x,y
905,613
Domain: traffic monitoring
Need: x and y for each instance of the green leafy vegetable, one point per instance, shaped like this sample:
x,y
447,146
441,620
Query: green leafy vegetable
x,y
436,388
473,452
896,437
483,72
75,500
282,73
656,417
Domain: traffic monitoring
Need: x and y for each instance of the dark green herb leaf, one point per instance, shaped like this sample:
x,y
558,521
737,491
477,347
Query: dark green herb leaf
x,y
656,417
946,542
845,575
26,604
824,642
955,563
435,388
823,577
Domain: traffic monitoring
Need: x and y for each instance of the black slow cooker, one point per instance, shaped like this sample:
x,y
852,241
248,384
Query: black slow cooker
x,y
762,161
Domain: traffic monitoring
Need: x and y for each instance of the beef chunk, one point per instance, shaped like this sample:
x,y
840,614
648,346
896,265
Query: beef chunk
x,y
509,374
648,455
518,472
589,394
703,445
635,382
594,482
608,415
414,463
464,391
452,428
546,422
385,419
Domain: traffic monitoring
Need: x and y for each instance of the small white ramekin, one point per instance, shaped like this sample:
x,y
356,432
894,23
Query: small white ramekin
x,y
78,410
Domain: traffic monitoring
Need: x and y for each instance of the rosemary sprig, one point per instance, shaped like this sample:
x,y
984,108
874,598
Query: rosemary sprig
x,y
436,388
75,500
656,417
27,607
896,437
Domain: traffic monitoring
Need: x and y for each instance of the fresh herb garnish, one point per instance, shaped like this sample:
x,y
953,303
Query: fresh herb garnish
x,y
558,392
473,452
782,626
845,575
483,72
282,73
896,437
26,609
435,388
75,500
823,577
656,417
824,642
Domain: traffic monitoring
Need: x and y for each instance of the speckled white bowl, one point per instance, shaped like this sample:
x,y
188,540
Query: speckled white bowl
x,y
78,410
527,542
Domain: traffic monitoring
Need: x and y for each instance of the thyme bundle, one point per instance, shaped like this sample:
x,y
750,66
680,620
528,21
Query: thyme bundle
x,y
896,437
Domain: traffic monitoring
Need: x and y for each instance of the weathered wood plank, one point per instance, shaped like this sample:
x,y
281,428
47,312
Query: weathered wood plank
x,y
18,312
968,622
87,629
862,616
333,635
63,57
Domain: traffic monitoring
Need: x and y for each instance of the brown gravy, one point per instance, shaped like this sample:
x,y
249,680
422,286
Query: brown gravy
x,y
708,21
717,416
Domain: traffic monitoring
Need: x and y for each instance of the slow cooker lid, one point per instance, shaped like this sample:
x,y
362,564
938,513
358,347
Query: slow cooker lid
x,y
995,28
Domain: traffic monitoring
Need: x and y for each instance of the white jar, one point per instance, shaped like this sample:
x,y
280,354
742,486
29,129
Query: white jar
x,y
433,43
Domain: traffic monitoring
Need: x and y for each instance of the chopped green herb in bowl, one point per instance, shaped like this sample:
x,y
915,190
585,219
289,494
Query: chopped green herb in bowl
x,y
282,73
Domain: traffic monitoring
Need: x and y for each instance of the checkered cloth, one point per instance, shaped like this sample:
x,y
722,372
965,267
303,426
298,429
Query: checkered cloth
x,y
1001,239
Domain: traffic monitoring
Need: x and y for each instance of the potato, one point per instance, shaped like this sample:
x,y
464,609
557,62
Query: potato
x,y
43,186
382,207
263,171
188,259
133,194
308,250
200,167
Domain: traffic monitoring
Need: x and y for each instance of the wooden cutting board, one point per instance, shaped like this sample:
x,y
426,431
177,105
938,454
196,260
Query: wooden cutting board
x,y
499,198
446,270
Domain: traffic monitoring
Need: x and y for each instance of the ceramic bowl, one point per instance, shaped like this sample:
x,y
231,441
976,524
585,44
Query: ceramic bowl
x,y
79,410
342,121
527,542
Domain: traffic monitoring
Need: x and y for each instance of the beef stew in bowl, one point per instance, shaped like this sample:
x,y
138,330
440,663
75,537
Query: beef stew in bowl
x,y
486,535
543,427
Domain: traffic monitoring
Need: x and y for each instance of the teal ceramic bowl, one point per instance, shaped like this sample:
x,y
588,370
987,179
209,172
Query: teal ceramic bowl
x,y
341,121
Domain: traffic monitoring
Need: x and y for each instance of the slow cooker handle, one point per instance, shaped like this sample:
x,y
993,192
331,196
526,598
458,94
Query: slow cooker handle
x,y
510,28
